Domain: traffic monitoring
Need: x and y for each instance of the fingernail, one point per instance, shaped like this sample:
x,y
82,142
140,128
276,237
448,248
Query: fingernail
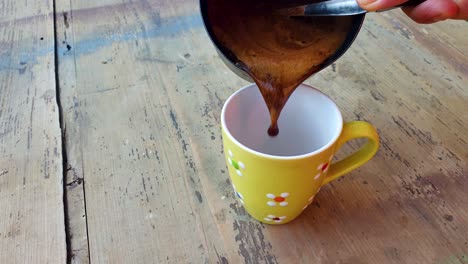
x,y
369,5
439,18
366,2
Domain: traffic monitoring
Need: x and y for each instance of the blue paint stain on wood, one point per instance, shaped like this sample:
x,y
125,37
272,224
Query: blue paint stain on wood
x,y
8,62
164,28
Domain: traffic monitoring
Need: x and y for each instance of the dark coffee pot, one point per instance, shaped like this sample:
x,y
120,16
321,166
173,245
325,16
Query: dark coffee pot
x,y
229,59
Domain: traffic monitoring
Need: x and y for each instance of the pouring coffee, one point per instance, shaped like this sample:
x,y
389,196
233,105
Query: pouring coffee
x,y
276,51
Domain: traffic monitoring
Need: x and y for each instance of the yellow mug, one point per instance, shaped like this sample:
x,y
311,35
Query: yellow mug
x,y
276,178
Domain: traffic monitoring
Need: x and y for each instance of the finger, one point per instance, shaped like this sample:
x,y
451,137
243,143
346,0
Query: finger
x,y
432,11
374,5
462,9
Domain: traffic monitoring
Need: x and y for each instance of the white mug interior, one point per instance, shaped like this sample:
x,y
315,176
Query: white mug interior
x,y
309,122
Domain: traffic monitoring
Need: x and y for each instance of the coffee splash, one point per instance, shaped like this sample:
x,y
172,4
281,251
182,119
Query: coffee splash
x,y
279,52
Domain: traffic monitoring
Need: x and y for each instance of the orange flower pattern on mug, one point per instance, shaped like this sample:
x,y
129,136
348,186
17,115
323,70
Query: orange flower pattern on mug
x,y
281,199
275,199
274,218
238,165
323,168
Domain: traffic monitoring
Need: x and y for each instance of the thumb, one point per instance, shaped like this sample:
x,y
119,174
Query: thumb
x,y
374,5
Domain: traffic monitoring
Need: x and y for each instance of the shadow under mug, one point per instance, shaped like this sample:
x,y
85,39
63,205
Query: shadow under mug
x,y
276,178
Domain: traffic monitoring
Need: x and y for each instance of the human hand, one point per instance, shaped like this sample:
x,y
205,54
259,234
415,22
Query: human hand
x,y
427,12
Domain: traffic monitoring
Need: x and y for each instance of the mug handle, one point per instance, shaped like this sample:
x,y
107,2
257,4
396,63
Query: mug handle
x,y
353,130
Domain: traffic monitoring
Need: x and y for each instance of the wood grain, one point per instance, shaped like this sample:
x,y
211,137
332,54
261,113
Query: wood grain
x,y
32,226
142,89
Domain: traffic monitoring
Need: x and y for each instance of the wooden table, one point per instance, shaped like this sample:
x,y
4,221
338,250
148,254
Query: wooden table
x,y
110,148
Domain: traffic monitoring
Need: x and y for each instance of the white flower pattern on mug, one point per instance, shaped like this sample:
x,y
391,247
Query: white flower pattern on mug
x,y
281,200
274,218
238,165
323,168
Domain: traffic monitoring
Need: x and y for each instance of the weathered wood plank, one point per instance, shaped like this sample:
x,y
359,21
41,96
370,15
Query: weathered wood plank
x,y
32,226
143,196
142,90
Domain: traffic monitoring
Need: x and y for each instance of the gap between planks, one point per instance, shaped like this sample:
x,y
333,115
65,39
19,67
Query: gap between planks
x,y
65,166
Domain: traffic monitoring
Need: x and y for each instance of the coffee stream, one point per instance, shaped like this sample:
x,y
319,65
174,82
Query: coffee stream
x,y
278,51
